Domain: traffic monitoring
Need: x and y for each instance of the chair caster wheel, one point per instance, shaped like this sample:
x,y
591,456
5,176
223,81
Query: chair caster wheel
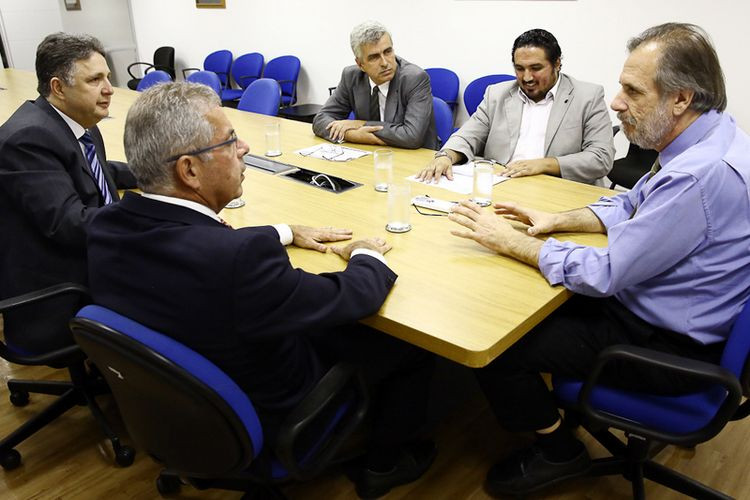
x,y
124,456
19,398
167,484
10,459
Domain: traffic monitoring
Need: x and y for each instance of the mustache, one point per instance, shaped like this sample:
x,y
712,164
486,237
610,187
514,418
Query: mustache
x,y
626,119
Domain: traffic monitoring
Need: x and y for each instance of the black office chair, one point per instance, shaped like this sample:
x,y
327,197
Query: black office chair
x,y
84,384
628,170
651,421
192,418
163,60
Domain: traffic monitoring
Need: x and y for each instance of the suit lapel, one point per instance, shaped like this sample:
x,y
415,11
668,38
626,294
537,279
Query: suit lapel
x,y
559,107
361,92
393,99
513,115
83,163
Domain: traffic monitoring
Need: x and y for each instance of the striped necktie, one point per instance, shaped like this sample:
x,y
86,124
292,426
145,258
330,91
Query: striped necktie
x,y
96,167
375,104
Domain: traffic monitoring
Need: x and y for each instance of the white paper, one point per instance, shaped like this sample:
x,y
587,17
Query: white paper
x,y
332,152
463,179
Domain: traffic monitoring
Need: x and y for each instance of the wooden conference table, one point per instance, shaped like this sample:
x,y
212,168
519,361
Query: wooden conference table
x,y
453,297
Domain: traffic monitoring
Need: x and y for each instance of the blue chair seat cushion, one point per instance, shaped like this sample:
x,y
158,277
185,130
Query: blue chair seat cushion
x,y
677,414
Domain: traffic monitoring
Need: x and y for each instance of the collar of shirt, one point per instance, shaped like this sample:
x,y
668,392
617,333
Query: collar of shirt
x,y
547,98
690,136
192,205
75,127
383,87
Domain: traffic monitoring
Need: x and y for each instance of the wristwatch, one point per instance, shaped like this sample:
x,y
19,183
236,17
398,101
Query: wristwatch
x,y
440,154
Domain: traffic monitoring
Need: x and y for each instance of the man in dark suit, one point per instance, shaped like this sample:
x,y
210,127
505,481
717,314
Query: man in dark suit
x,y
166,259
391,98
49,188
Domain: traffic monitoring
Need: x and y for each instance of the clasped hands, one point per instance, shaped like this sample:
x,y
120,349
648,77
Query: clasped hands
x,y
313,238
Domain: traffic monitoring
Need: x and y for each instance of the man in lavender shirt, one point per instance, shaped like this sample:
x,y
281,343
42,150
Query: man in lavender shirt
x,y
676,271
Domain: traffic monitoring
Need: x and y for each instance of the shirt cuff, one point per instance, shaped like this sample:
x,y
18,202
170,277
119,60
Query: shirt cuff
x,y
371,253
285,233
551,260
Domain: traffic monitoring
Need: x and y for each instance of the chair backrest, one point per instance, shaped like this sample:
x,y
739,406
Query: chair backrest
x,y
152,78
177,405
262,96
285,70
219,62
443,119
247,68
474,92
444,84
206,78
164,60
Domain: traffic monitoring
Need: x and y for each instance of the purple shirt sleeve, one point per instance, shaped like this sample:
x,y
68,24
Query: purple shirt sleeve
x,y
672,217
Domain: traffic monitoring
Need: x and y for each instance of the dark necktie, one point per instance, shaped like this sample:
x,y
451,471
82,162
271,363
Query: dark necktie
x,y
654,168
96,167
375,105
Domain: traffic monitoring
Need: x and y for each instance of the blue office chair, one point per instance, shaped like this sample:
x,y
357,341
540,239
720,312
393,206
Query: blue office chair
x,y
219,62
245,70
262,96
443,119
192,418
444,84
152,78
474,92
651,421
60,302
208,78
163,60
285,70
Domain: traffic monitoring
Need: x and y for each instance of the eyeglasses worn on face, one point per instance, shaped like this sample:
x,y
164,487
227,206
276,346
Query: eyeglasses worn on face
x,y
232,139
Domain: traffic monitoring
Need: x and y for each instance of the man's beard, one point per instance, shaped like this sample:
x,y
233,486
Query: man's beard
x,y
650,131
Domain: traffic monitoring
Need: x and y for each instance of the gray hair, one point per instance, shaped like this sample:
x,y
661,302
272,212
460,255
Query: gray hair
x,y
688,61
56,57
166,120
367,32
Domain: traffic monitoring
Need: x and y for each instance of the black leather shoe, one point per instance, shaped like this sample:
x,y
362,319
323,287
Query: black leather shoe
x,y
414,461
528,471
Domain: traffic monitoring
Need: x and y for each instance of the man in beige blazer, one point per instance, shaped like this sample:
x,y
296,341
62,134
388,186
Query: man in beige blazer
x,y
544,122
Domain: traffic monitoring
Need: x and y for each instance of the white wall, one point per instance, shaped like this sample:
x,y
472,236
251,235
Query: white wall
x,y
24,24
471,37
109,21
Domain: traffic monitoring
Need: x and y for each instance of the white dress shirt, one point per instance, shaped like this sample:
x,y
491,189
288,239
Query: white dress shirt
x,y
382,95
534,120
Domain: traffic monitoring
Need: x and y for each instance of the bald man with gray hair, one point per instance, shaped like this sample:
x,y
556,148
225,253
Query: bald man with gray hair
x,y
390,98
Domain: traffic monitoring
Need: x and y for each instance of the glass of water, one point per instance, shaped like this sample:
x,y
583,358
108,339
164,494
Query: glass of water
x,y
399,207
484,171
383,159
273,139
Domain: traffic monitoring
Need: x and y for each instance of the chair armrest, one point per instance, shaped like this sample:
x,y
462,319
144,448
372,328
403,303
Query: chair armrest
x,y
148,67
242,78
330,90
700,370
31,298
185,70
314,431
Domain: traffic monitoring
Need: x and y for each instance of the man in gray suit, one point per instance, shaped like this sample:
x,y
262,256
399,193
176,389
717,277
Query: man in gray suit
x,y
390,97
544,122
